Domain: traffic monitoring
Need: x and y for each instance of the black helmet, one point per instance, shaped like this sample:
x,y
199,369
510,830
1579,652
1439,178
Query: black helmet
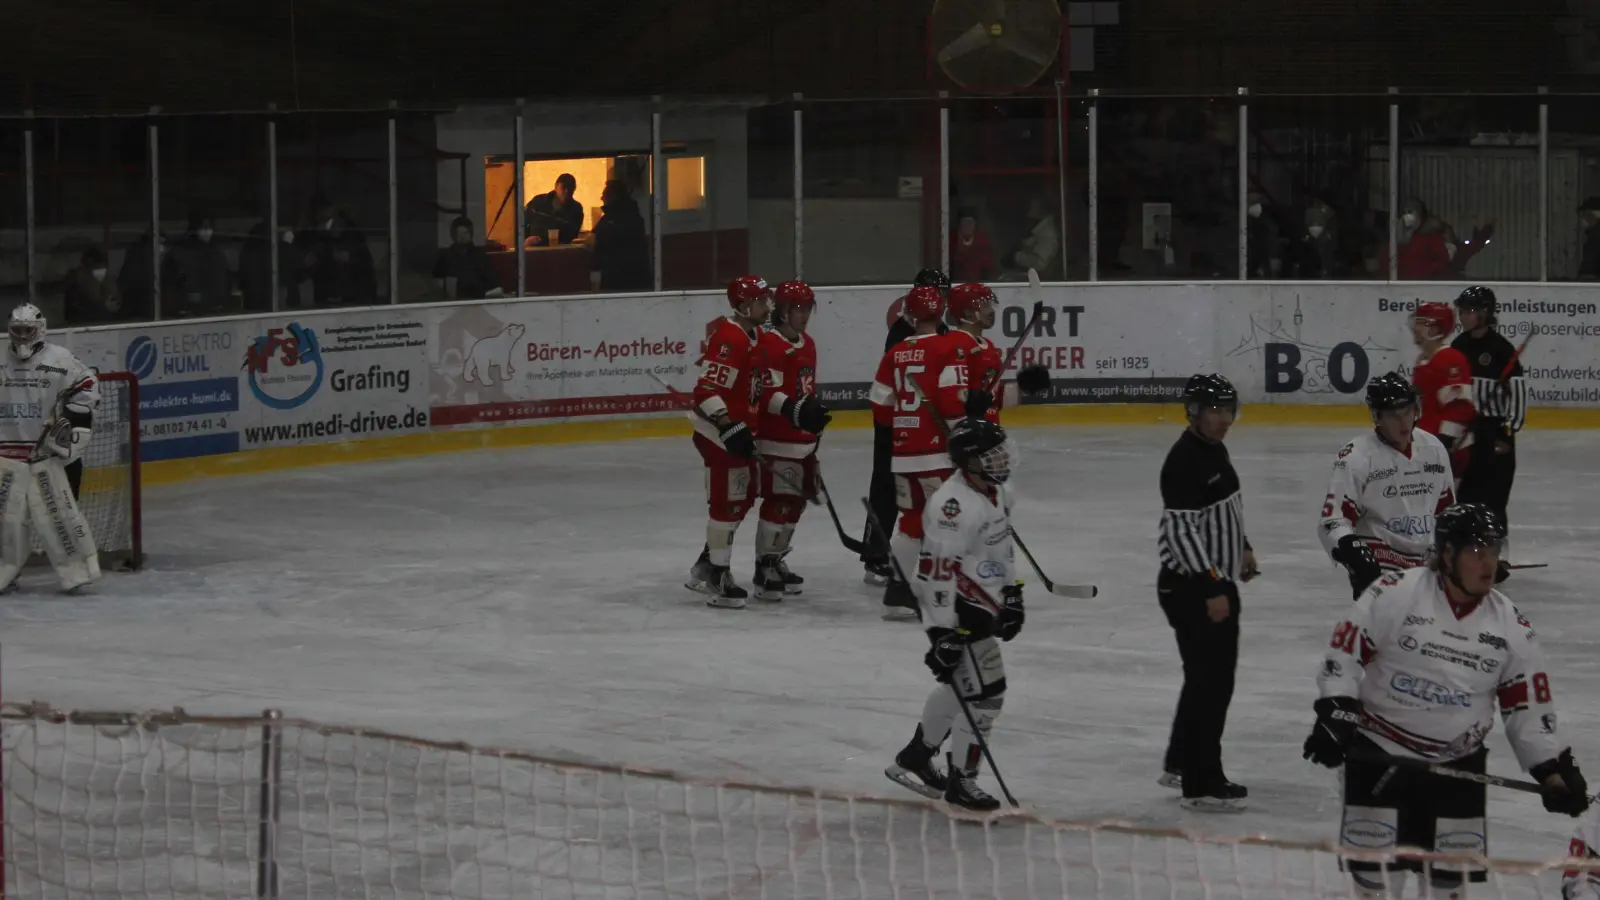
x,y
1466,525
1391,391
1208,390
932,278
980,446
1477,297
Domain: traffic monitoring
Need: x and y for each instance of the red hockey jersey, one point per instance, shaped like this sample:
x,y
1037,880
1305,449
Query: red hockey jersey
x,y
730,377
1444,386
790,371
968,362
919,444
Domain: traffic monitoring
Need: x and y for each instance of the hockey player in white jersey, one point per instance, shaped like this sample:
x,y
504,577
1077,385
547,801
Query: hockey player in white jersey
x,y
47,403
1414,671
1388,486
969,595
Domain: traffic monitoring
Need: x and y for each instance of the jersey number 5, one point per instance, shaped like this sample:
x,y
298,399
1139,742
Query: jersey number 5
x,y
908,395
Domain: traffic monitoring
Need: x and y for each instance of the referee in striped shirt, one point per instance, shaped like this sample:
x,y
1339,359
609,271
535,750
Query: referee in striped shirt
x,y
1501,395
1204,556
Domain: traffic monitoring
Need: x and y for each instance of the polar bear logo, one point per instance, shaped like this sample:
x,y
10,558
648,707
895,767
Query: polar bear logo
x,y
494,350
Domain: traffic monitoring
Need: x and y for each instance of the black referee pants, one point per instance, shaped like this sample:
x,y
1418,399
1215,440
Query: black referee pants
x,y
1210,653
881,492
1489,476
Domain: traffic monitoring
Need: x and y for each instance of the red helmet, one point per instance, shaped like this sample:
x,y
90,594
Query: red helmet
x,y
966,299
923,303
745,288
793,293
1439,316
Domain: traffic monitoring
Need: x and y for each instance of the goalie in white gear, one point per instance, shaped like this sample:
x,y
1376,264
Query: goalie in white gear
x,y
1388,487
966,585
47,403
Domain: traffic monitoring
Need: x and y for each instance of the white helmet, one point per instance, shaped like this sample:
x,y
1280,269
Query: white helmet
x,y
27,330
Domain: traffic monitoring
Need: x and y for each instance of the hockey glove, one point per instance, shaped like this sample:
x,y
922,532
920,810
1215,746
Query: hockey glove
x,y
1034,379
67,441
1337,719
737,438
1572,796
1009,623
949,645
978,403
806,413
1356,556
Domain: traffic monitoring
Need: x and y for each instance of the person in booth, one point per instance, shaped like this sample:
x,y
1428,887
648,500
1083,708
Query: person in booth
x,y
556,209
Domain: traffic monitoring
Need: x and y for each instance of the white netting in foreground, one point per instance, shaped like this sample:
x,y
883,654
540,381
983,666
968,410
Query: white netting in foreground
x,y
170,805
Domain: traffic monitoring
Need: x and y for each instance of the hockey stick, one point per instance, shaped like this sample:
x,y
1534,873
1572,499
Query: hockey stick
x,y
1528,566
1035,288
1072,591
983,743
1433,768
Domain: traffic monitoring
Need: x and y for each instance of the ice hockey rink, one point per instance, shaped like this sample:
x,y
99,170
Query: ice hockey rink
x,y
532,599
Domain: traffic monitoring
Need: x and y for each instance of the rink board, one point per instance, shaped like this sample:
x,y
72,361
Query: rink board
x,y
265,392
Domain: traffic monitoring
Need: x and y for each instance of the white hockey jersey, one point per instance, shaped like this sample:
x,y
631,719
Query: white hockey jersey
x,y
1427,678
1388,498
966,550
28,391
1584,884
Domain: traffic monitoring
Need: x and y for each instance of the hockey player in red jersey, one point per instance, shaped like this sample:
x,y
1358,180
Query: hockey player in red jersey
x,y
902,400
728,398
971,367
791,419
1443,378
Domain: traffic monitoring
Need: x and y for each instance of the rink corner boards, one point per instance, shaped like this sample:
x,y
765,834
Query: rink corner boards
x,y
251,462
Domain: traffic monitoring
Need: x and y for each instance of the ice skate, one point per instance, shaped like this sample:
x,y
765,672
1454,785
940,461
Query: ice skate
x,y
1225,797
792,583
768,580
877,572
899,603
961,790
716,582
914,768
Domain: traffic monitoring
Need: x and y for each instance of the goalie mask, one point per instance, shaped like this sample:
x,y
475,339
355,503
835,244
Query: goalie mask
x,y
27,330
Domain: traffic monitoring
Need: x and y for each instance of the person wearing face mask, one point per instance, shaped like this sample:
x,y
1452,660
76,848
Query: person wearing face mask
x,y
90,295
204,280
255,269
1589,221
1426,245
1316,254
1261,239
136,280
340,262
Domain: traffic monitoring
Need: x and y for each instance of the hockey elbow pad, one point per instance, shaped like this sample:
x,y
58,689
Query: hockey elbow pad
x,y
977,403
1033,379
1571,794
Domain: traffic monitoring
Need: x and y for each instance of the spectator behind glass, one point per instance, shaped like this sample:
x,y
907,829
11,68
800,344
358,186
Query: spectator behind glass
x,y
1262,245
203,279
1316,253
621,258
340,263
1589,221
137,278
90,296
556,209
464,267
255,269
1042,246
971,254
1426,245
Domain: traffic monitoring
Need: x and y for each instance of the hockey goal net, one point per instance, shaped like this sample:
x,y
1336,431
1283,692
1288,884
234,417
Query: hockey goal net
x,y
108,495
178,806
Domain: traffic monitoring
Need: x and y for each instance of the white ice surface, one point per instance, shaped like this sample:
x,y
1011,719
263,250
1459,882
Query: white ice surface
x,y
532,599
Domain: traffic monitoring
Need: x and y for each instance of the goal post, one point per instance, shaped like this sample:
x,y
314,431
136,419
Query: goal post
x,y
109,493
173,805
